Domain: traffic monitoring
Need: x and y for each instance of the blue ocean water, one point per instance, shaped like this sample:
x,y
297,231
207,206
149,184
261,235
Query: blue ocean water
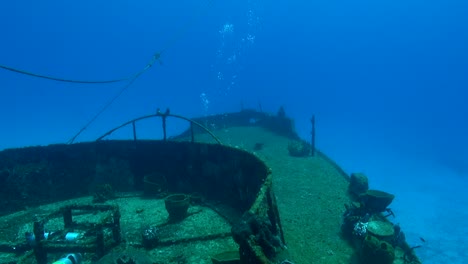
x,y
387,81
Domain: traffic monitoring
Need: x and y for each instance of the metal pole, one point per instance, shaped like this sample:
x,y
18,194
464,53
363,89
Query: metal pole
x,y
67,217
116,226
100,243
313,136
134,131
164,126
39,251
192,132
164,116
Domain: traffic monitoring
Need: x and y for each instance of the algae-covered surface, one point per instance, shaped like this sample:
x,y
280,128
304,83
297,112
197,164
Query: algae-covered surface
x,y
194,240
310,194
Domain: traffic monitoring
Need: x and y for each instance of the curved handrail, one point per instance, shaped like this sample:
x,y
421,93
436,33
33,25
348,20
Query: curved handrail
x,y
163,116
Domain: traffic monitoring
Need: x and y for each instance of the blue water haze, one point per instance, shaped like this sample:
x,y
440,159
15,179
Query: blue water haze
x,y
386,80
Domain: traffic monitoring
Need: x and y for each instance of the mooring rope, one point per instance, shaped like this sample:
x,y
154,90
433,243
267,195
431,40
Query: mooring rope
x,y
64,80
175,37
109,103
157,57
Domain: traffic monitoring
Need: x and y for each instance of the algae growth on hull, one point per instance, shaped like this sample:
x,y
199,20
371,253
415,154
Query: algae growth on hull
x,y
293,205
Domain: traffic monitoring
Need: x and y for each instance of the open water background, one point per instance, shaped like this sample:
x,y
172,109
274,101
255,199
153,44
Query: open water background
x,y
387,81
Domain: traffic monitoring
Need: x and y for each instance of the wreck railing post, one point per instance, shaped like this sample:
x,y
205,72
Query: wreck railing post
x,y
116,226
312,136
134,131
164,127
67,217
39,251
100,243
163,116
192,132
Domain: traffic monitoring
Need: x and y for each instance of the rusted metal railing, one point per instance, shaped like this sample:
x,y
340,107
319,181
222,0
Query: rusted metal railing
x,y
163,116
